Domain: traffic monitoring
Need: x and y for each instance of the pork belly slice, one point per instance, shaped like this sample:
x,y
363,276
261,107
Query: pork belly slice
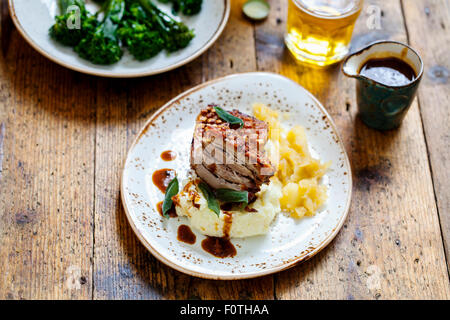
x,y
227,156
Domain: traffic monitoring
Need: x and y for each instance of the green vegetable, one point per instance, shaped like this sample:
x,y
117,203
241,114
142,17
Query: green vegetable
x,y
256,9
228,195
187,7
135,24
176,35
139,34
102,46
226,116
210,197
224,195
65,30
172,190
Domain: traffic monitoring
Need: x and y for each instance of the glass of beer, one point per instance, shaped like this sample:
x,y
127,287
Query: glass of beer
x,y
319,31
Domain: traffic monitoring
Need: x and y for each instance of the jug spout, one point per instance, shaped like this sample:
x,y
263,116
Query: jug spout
x,y
352,65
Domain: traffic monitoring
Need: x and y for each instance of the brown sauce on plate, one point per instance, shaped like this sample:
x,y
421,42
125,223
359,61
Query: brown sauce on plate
x,y
185,234
172,212
161,178
228,206
219,247
168,155
388,71
227,221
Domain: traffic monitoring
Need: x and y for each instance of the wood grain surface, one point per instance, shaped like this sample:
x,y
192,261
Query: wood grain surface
x,y
434,94
64,137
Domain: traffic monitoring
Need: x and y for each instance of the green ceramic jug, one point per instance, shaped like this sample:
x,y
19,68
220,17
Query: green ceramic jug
x,y
381,106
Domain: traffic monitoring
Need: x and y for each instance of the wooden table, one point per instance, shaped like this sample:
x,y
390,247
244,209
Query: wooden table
x,y
64,136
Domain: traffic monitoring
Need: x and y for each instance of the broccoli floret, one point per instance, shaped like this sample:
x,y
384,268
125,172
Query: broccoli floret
x,y
136,24
139,34
102,45
176,35
187,7
65,30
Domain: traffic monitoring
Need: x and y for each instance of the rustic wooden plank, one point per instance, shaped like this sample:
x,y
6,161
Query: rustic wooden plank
x,y
123,267
423,19
47,131
390,246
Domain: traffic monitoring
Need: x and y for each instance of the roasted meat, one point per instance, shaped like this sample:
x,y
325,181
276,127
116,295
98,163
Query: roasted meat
x,y
228,156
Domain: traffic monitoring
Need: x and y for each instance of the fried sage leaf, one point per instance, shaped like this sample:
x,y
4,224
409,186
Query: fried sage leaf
x,y
228,195
228,117
172,190
210,197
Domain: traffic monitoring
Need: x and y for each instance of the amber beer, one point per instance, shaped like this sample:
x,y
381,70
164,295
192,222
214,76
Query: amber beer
x,y
319,31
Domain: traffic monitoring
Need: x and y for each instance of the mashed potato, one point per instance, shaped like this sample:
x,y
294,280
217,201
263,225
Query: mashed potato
x,y
191,203
297,171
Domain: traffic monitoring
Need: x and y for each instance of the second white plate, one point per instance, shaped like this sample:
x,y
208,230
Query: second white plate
x,y
171,127
33,18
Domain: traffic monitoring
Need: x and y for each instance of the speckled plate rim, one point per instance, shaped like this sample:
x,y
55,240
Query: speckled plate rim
x,y
195,55
287,265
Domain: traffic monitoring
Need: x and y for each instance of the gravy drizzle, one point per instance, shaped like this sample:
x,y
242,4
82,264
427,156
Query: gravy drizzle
x,y
185,234
162,177
168,155
219,247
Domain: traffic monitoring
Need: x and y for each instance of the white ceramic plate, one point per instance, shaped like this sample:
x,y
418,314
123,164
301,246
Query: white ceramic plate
x,y
171,127
33,18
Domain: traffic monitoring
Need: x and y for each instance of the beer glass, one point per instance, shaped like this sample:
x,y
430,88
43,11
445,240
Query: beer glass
x,y
319,31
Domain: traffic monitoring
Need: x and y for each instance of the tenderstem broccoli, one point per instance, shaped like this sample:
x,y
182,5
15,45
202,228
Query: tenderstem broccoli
x,y
140,34
187,7
102,45
176,35
136,24
73,23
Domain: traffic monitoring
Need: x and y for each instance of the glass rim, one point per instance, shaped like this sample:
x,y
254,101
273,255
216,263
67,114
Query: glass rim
x,y
355,9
